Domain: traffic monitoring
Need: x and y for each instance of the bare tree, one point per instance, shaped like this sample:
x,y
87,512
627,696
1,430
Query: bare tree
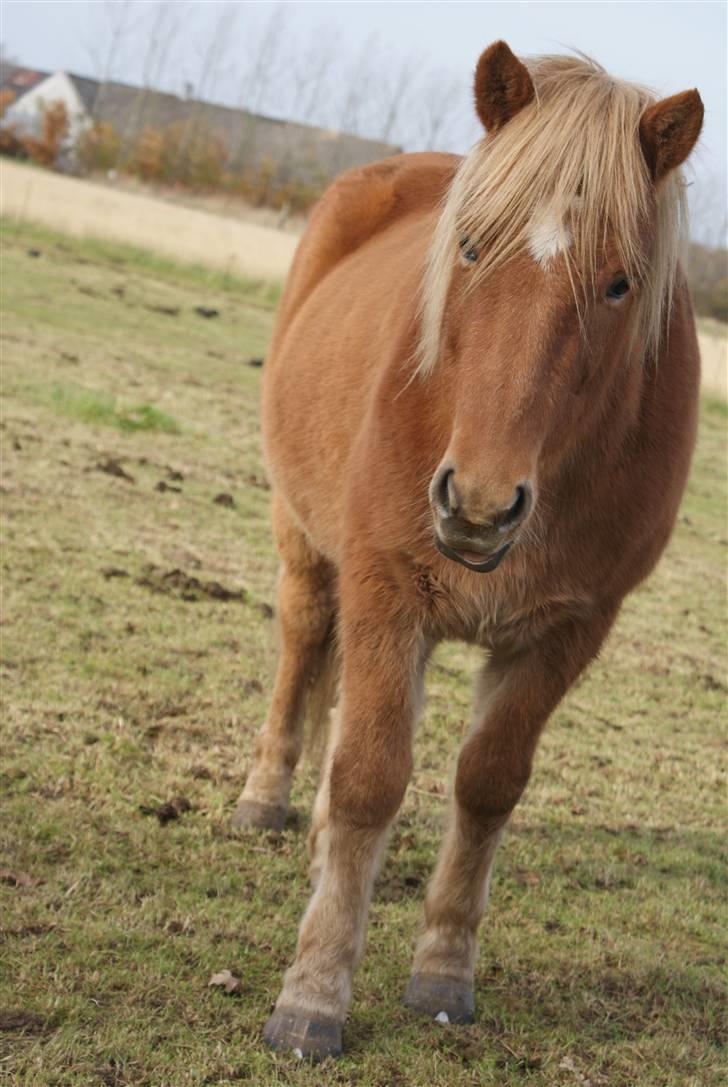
x,y
708,214
166,23
312,76
362,78
440,101
396,88
214,59
7,61
161,29
106,42
260,63
215,53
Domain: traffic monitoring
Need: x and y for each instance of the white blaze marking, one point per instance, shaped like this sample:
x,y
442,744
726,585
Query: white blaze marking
x,y
547,237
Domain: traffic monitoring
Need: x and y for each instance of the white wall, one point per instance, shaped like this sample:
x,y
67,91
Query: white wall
x,y
27,113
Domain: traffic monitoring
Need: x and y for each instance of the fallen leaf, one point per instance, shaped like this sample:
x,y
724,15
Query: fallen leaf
x,y
226,980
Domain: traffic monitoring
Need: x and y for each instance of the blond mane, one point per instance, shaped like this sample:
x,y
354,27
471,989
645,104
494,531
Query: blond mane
x,y
575,153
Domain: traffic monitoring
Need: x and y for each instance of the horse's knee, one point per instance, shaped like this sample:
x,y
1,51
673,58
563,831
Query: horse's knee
x,y
489,782
367,786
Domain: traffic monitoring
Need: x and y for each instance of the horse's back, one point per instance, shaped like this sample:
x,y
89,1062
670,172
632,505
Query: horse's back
x,y
359,204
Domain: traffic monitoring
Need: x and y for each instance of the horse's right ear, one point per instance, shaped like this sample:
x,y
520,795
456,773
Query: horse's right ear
x,y
502,86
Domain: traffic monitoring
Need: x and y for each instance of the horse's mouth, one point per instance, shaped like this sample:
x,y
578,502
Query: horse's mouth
x,y
471,560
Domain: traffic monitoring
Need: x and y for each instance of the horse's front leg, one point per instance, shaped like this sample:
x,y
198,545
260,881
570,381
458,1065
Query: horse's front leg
x,y
371,765
517,693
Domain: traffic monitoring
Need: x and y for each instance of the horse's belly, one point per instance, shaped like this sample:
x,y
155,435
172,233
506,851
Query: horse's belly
x,y
318,387
307,446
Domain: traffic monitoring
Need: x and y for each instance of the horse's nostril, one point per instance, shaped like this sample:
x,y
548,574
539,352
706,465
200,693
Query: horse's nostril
x,y
445,493
453,498
517,506
520,506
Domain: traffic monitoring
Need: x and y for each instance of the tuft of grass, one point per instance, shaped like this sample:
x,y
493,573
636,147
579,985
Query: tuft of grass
x,y
714,406
92,406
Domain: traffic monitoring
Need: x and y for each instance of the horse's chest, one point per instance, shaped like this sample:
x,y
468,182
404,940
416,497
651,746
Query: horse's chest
x,y
489,611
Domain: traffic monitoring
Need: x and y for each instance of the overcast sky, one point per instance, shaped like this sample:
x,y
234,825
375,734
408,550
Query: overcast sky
x,y
670,46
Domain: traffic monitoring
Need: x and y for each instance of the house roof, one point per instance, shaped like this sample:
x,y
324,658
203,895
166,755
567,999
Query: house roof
x,y
87,89
20,80
132,109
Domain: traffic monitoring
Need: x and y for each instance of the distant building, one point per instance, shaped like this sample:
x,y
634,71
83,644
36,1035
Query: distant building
x,y
303,151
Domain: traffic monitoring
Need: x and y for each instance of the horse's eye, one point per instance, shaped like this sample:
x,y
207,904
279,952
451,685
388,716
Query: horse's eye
x,y
468,252
617,289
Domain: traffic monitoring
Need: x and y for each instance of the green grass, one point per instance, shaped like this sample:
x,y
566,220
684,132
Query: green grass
x,y
127,682
91,406
713,406
111,254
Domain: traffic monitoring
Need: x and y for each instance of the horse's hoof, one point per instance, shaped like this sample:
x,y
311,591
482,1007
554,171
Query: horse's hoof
x,y
252,814
441,998
306,1038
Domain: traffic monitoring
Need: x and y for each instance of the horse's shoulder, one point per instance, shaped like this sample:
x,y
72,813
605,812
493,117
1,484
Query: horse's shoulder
x,y
357,205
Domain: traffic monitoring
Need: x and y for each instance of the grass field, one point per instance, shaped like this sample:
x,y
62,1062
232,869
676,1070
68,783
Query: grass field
x,y
137,645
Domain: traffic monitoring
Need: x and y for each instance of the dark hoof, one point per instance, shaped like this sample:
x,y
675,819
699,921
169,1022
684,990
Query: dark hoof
x,y
311,1039
252,814
441,998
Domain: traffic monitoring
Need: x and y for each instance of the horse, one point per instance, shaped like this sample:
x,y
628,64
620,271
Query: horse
x,y
478,415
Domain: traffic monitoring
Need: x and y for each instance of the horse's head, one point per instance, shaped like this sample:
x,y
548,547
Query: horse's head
x,y
551,271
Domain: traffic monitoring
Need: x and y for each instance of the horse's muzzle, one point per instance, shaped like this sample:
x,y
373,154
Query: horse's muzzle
x,y
470,559
478,536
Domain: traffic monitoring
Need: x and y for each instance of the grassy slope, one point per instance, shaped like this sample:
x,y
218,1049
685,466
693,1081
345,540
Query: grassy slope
x,y
601,960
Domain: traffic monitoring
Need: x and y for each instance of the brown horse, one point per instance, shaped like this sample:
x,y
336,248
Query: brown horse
x,y
479,411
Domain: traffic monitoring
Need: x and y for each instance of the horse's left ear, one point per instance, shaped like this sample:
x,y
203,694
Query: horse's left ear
x,y
502,86
669,130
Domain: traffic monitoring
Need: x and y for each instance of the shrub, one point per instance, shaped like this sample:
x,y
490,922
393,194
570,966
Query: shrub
x,y
99,147
7,97
10,143
148,155
180,154
708,277
53,133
